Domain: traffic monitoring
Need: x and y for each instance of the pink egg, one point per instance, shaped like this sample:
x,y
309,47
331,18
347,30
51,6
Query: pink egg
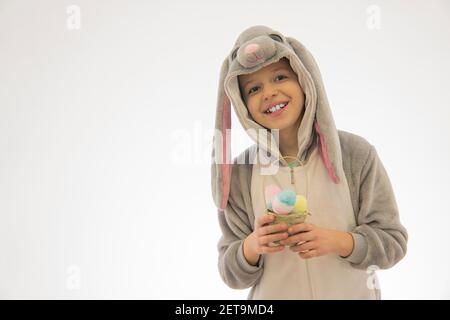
x,y
281,208
270,192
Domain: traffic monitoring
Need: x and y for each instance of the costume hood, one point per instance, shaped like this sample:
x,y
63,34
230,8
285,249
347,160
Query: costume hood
x,y
255,48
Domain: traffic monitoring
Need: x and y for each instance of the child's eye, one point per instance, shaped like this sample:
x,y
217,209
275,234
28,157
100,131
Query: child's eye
x,y
280,76
251,90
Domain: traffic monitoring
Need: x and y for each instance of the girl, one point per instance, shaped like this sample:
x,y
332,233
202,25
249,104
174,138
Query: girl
x,y
275,87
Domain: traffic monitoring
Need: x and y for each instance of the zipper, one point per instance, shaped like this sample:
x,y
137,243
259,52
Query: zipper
x,y
291,166
292,175
313,296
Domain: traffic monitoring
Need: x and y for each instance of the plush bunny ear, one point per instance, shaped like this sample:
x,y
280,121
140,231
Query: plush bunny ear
x,y
330,148
221,153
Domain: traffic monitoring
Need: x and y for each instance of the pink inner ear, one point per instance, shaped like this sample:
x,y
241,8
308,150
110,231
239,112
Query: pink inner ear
x,y
225,166
324,154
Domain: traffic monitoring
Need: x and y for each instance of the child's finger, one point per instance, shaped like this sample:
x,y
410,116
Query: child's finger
x,y
267,249
264,219
300,227
308,254
299,237
272,237
272,228
309,245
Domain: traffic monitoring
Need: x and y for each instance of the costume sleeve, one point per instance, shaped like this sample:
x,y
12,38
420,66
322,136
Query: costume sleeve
x,y
379,237
234,222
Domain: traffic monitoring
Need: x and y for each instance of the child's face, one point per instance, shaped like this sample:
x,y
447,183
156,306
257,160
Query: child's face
x,y
274,84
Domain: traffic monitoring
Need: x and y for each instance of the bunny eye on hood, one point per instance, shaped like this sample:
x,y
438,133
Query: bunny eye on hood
x,y
276,37
234,54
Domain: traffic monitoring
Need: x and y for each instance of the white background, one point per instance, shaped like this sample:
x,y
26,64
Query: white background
x,y
106,130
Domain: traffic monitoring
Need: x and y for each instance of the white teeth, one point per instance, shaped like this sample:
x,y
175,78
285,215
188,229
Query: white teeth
x,y
276,108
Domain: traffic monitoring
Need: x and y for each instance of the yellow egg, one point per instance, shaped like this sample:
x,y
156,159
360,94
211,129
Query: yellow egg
x,y
301,204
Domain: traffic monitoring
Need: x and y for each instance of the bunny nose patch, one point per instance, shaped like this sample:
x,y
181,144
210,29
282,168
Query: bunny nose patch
x,y
253,53
256,52
251,48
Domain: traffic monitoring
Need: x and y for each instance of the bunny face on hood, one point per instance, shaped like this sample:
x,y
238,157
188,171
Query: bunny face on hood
x,y
255,49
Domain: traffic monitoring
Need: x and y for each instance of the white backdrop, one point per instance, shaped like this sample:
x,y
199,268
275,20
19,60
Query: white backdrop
x,y
106,117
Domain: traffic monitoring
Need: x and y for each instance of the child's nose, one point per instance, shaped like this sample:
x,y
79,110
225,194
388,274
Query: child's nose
x,y
269,92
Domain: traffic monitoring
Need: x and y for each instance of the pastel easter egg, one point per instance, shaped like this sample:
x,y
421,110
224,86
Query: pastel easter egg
x,y
270,192
280,207
287,197
301,204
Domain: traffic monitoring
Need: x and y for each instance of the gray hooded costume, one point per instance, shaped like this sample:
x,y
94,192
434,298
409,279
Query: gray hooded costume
x,y
343,178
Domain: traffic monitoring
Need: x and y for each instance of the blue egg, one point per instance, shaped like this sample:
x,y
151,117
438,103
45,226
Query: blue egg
x,y
287,197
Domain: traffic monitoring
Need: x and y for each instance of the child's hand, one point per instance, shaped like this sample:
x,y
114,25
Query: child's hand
x,y
257,243
311,241
267,233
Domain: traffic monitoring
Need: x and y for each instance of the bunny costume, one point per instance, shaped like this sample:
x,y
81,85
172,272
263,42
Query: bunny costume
x,y
340,173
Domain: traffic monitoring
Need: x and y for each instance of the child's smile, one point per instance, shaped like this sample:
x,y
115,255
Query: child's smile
x,y
275,111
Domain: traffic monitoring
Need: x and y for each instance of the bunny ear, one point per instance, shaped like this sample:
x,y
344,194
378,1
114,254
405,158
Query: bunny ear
x,y
221,153
330,148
